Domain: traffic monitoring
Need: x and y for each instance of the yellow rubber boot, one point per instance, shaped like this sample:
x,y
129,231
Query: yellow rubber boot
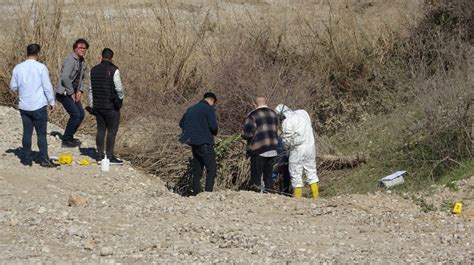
x,y
298,192
315,190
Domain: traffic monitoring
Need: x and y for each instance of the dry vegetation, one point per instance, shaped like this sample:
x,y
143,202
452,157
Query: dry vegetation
x,y
397,73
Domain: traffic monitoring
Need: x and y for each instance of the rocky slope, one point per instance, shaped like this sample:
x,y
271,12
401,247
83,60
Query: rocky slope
x,y
78,214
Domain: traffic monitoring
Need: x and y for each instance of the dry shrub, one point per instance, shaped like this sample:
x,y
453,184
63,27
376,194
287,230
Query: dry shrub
x,y
170,160
37,22
233,168
438,62
254,66
430,71
337,59
40,23
155,49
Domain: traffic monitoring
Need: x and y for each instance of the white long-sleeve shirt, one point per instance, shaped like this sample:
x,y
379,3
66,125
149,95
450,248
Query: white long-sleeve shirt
x,y
30,79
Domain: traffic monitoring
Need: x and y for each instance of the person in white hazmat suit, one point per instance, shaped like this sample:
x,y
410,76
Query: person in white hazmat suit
x,y
297,135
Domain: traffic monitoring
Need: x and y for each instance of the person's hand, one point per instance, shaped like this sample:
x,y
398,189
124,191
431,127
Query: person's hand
x,y
78,96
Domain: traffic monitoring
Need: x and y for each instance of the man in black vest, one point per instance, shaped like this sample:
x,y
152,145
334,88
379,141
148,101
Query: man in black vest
x,y
105,99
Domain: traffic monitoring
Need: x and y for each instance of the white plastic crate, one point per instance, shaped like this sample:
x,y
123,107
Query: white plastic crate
x,y
393,179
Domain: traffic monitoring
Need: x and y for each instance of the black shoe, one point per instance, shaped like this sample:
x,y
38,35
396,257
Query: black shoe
x,y
98,158
76,141
47,163
256,188
26,161
115,161
69,144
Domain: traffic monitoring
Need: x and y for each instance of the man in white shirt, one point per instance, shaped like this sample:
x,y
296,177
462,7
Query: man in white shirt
x,y
30,79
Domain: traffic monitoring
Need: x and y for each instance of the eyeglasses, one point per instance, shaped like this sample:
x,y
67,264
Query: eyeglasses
x,y
82,48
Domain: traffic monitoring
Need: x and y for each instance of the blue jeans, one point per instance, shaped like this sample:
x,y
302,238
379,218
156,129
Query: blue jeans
x,y
203,156
37,119
76,115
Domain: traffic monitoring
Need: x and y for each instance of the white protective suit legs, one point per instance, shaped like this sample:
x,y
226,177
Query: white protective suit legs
x,y
302,161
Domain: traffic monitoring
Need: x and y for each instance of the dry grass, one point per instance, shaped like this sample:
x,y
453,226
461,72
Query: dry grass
x,y
340,60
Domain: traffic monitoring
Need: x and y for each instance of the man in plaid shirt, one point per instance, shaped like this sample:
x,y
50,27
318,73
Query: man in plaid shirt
x,y
260,131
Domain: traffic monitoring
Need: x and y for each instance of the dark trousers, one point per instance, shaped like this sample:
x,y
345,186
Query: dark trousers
x,y
261,165
203,156
107,122
37,119
284,172
76,115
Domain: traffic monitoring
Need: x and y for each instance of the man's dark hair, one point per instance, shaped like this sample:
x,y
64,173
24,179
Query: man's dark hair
x,y
210,95
107,54
33,49
80,41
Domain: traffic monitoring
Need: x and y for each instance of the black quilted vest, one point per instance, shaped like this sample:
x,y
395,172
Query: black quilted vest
x,y
102,83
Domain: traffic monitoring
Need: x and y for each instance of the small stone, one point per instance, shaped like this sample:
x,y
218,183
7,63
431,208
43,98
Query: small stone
x,y
77,201
137,256
41,210
13,222
89,244
165,244
106,251
75,230
35,221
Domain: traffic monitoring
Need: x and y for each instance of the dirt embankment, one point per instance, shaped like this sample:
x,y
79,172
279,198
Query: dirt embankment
x,y
127,216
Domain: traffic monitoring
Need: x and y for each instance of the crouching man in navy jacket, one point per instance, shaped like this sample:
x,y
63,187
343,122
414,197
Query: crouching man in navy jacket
x,y
199,126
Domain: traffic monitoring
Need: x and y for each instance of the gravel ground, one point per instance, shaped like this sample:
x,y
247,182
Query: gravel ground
x,y
78,214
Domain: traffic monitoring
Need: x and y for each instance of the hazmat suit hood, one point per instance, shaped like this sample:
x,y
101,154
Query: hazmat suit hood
x,y
281,109
296,126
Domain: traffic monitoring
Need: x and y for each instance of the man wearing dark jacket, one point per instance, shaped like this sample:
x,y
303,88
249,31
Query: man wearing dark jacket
x,y
260,131
105,99
199,126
